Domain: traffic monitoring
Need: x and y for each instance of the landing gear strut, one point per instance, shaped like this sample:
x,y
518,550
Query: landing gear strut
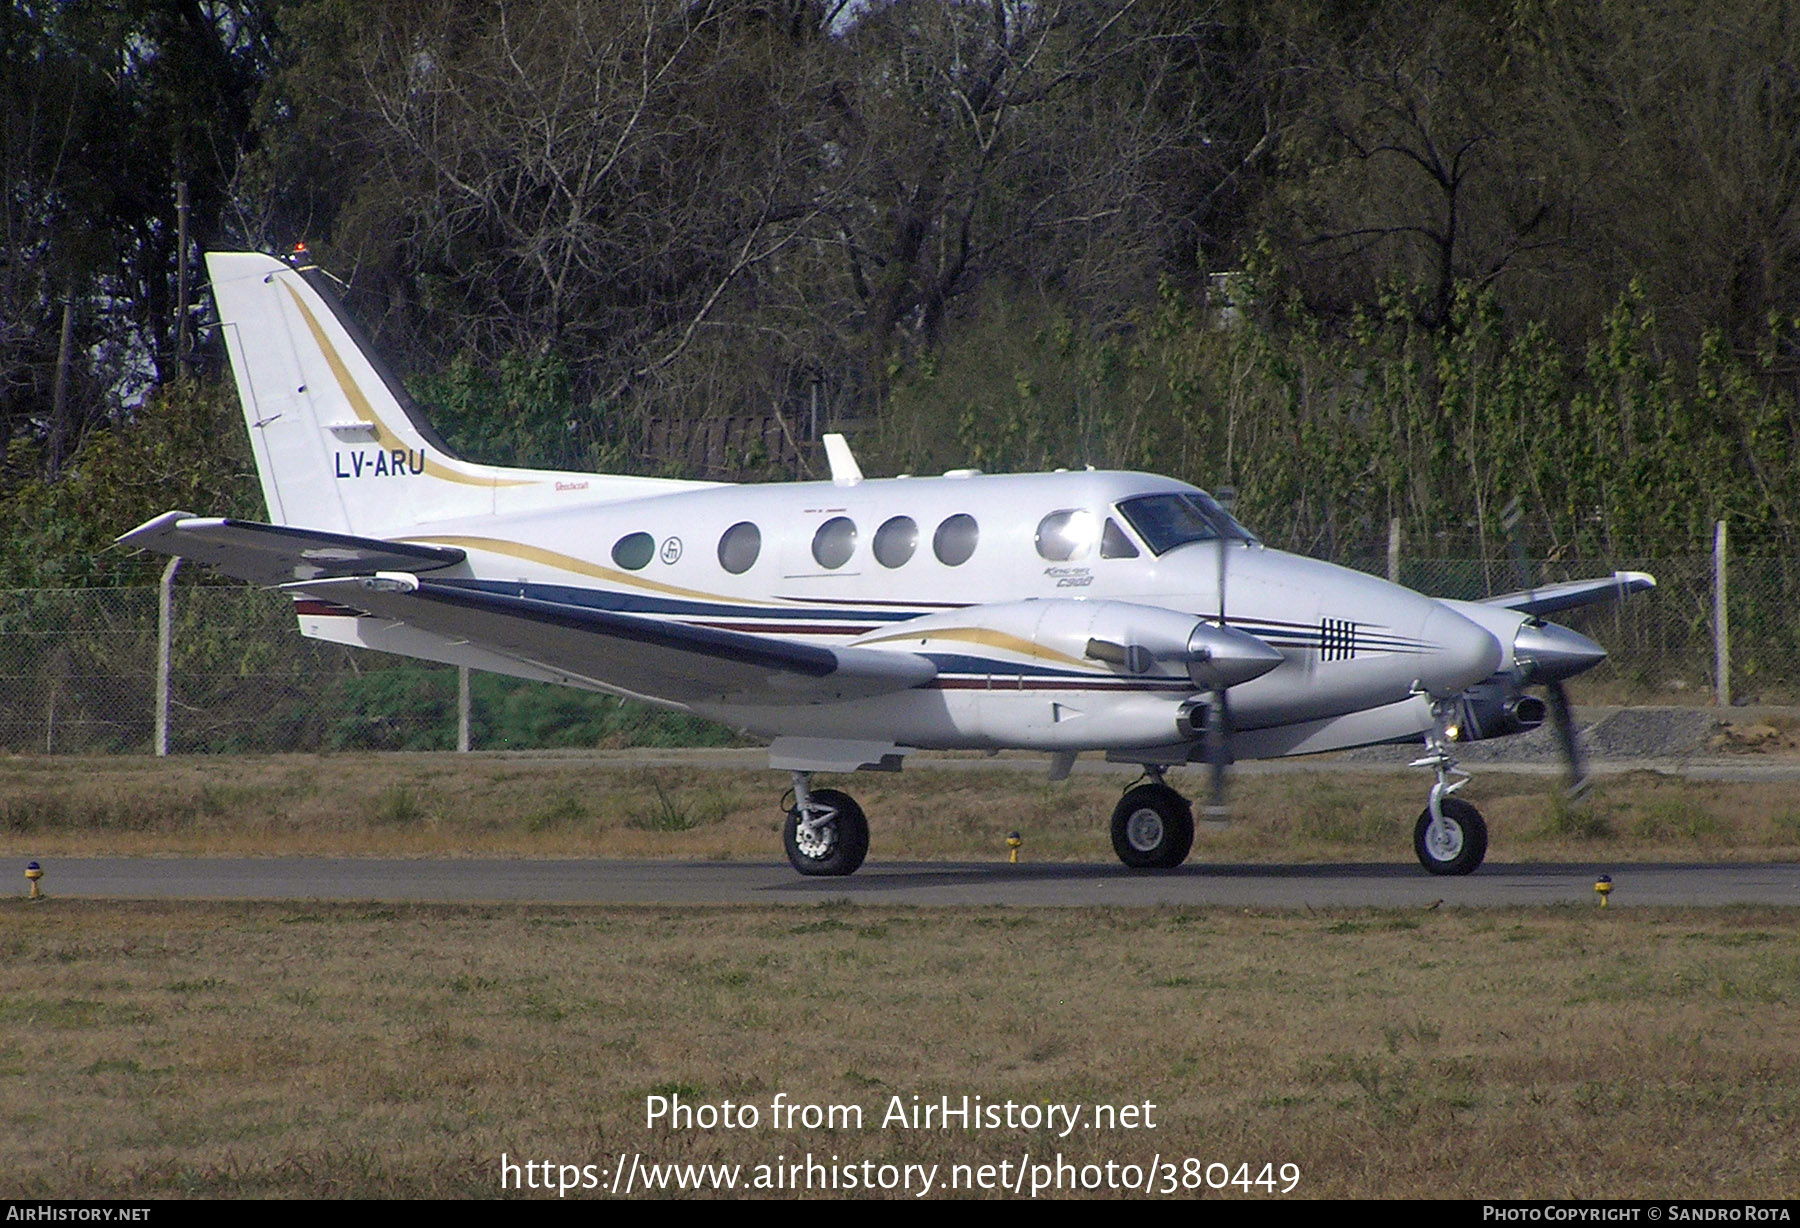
x,y
1152,826
825,834
1451,836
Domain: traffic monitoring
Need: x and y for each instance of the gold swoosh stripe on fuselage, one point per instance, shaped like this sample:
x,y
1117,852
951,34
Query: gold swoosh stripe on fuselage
x,y
568,562
989,638
359,404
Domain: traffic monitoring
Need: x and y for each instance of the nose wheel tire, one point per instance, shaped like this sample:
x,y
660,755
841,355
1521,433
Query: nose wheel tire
x,y
1152,828
831,848
1459,846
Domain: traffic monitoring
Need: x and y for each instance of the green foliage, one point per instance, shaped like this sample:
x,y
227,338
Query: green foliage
x,y
184,448
407,707
403,708
1327,435
522,414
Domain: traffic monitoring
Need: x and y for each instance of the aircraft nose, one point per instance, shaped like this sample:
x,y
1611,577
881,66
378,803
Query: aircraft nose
x,y
1458,654
1551,653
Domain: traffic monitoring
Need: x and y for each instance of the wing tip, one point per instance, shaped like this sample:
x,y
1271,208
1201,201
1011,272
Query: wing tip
x,y
144,536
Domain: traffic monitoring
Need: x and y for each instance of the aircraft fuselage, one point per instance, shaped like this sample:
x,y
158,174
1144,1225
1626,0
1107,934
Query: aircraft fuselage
x,y
958,569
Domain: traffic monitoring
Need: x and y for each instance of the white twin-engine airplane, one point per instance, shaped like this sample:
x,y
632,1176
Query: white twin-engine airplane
x,y
855,620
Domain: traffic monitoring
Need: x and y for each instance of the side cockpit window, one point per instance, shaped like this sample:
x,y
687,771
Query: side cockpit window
x,y
1114,544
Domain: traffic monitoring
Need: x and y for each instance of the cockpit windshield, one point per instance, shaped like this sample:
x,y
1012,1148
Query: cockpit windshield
x,y
1167,521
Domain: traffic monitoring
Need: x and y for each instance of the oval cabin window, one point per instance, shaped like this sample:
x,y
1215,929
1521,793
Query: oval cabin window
x,y
1066,535
634,551
955,540
835,542
896,540
739,546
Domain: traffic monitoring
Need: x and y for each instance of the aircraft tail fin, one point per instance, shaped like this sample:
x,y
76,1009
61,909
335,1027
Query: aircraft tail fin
x,y
340,446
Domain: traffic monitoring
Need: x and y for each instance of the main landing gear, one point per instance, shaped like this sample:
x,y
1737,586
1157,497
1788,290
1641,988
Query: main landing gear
x,y
1152,826
825,834
1451,836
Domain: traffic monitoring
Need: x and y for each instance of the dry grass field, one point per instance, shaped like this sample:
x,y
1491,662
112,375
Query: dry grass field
x,y
585,805
317,1049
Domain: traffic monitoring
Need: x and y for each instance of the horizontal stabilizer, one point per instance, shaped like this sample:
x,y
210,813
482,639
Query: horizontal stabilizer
x,y
1553,597
271,554
629,652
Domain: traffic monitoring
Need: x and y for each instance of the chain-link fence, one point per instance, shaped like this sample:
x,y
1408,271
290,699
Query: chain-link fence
x,y
78,666
78,674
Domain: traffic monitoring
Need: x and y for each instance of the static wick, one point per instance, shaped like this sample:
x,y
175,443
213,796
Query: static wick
x,y
33,872
1604,887
1013,841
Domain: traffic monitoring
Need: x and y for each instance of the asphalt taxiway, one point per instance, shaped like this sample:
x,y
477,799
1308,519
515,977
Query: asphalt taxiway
x,y
485,880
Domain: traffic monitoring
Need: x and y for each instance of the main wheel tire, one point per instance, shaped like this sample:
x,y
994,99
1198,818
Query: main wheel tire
x,y
1462,845
1152,828
835,848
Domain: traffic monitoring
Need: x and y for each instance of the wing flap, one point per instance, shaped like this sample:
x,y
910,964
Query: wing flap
x,y
1553,597
646,656
270,554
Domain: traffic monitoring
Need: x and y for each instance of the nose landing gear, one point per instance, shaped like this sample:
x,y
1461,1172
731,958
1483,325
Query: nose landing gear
x,y
1451,836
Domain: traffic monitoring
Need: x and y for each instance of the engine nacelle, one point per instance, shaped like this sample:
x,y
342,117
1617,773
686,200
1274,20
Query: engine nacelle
x,y
1496,708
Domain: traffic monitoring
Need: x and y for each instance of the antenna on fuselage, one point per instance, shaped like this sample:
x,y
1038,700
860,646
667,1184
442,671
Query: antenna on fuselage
x,y
844,469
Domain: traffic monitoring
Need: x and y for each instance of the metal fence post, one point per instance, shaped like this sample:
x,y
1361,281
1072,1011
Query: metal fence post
x,y
462,708
165,640
1721,621
1394,550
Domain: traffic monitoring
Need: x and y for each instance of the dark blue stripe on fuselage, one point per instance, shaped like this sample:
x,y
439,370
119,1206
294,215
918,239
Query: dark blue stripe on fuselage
x,y
618,602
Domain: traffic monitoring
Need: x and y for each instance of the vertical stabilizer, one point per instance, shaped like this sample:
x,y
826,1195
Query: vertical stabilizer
x,y
339,445
336,446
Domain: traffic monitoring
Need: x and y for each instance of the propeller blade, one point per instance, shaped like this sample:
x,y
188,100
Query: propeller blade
x,y
1562,720
1218,752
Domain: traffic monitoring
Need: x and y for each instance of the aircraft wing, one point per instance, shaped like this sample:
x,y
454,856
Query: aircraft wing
x,y
646,656
1553,597
270,554
651,657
